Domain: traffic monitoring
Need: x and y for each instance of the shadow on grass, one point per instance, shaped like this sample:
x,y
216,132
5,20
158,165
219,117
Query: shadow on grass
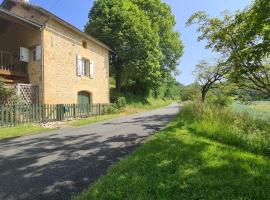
x,y
178,165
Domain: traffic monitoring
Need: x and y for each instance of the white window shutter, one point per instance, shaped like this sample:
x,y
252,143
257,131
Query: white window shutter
x,y
79,65
83,67
38,52
91,69
24,54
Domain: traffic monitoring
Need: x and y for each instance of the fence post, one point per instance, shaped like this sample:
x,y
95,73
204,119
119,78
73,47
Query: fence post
x,y
59,112
74,110
15,115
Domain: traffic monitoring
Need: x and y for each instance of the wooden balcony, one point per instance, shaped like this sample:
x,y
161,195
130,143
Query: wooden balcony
x,y
11,67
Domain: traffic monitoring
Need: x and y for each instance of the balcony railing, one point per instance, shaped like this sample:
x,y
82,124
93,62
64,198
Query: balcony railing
x,y
10,64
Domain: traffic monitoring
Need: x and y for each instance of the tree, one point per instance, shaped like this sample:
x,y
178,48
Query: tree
x,y
170,44
244,40
208,75
137,38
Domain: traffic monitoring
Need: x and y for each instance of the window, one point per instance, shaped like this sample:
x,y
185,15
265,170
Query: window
x,y
36,53
83,66
84,43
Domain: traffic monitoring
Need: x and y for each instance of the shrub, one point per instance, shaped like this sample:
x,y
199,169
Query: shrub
x,y
191,93
8,95
112,109
121,102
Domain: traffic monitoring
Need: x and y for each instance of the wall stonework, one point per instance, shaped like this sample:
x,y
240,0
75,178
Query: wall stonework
x,y
61,83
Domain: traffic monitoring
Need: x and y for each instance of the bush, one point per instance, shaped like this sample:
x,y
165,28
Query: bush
x,y
191,93
112,109
229,127
8,95
121,102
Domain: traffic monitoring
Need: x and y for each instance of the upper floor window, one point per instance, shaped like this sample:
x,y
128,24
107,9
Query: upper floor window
x,y
85,67
84,44
36,53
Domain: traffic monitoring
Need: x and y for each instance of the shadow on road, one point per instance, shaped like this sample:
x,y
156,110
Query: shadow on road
x,y
61,164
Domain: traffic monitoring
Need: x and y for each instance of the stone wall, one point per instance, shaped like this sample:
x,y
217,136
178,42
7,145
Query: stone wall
x,y
61,82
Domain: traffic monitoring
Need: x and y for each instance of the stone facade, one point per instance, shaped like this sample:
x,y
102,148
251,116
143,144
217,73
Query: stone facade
x,y
61,46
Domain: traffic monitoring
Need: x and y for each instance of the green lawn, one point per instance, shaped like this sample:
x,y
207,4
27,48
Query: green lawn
x,y
177,163
21,131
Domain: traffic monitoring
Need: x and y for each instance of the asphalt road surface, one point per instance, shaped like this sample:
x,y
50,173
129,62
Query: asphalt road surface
x,y
60,164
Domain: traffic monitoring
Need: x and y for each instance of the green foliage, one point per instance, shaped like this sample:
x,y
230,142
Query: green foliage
x,y
208,75
8,95
5,93
243,39
141,34
178,164
191,93
121,102
170,89
220,95
112,109
224,125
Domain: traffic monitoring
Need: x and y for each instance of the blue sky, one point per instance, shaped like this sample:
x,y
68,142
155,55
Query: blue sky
x,y
76,13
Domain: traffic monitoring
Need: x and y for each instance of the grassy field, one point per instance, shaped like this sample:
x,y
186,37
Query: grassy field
x,y
179,163
21,130
258,109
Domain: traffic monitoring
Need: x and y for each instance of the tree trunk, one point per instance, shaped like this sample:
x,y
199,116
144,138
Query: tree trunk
x,y
118,77
203,95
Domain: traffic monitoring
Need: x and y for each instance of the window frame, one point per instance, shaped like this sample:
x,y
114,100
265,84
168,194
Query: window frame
x,y
85,68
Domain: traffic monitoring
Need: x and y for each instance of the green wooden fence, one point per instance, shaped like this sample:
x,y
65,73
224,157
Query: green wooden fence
x,y
23,114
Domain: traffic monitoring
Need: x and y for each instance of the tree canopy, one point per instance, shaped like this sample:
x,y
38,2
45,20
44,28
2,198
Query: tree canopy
x,y
146,49
207,75
243,39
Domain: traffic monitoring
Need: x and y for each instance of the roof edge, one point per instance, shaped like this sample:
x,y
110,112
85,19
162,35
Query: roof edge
x,y
63,22
58,19
19,17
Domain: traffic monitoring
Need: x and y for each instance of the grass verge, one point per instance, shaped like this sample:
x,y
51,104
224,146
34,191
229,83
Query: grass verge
x,y
130,109
21,131
90,120
177,163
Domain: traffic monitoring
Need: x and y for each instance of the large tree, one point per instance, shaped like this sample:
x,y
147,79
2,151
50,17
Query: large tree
x,y
244,40
136,38
208,75
163,20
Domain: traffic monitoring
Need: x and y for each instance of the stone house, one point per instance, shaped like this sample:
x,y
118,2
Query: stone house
x,y
48,60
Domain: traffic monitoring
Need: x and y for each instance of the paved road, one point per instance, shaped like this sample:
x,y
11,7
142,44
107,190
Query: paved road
x,y
60,164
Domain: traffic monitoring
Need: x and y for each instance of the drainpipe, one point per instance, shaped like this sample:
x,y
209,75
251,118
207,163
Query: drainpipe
x,y
42,58
42,65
